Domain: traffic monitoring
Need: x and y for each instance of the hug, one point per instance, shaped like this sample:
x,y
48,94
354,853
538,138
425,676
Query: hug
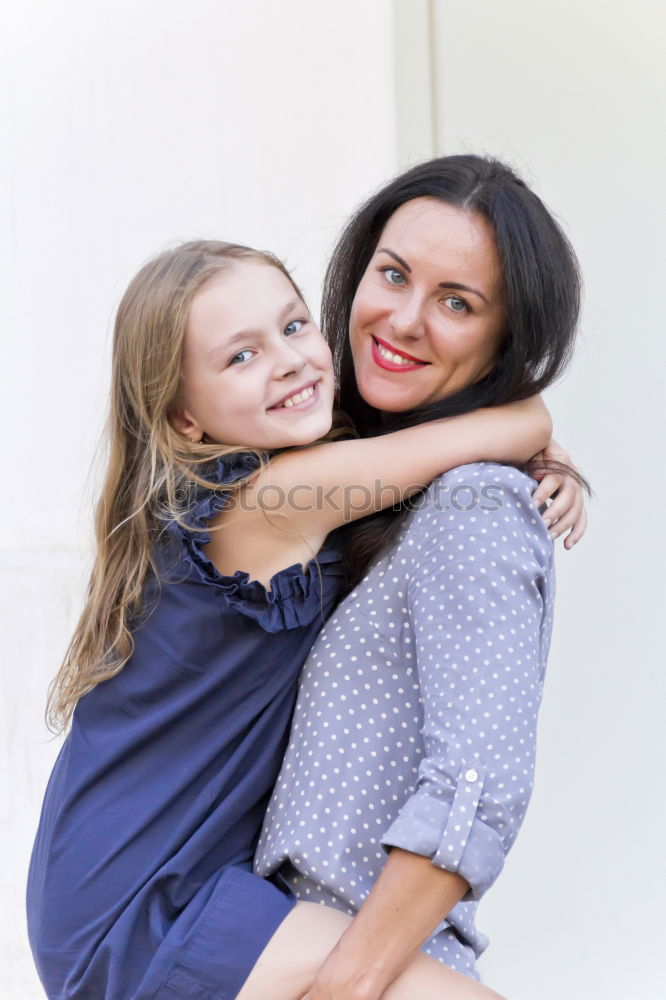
x,y
301,738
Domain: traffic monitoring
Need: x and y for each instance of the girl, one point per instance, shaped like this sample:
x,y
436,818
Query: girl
x,y
212,576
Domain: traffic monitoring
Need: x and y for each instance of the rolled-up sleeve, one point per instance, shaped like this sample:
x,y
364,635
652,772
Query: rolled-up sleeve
x,y
480,603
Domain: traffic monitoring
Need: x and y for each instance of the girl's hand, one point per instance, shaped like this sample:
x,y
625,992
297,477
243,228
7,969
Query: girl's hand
x,y
566,509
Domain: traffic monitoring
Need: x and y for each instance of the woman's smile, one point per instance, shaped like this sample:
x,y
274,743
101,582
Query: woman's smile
x,y
428,314
393,360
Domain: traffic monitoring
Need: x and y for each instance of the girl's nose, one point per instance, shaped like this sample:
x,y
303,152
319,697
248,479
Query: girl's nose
x,y
289,361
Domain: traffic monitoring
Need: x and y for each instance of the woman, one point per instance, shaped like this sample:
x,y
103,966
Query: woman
x,y
450,289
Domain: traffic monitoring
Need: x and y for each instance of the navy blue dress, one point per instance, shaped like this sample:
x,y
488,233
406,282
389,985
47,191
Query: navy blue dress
x,y
140,883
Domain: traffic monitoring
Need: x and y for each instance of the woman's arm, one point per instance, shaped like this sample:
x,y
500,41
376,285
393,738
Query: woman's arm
x,y
480,606
409,899
314,490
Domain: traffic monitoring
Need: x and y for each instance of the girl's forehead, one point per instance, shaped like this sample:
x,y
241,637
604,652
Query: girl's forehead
x,y
247,296
240,274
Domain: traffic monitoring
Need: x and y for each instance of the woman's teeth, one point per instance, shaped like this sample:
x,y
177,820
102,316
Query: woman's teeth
x,y
395,359
300,397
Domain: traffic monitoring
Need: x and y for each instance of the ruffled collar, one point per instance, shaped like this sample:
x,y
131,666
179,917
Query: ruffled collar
x,y
295,596
205,502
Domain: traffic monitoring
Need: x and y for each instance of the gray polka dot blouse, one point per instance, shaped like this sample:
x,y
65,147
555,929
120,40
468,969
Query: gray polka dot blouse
x,y
415,725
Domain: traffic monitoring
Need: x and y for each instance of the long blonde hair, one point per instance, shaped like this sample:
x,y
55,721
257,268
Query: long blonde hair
x,y
150,465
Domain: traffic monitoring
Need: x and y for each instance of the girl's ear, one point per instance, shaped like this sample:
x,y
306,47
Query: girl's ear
x,y
184,423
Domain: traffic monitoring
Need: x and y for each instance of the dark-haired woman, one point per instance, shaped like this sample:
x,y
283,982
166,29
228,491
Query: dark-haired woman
x,y
412,752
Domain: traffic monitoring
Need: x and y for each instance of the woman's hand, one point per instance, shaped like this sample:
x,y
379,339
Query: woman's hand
x,y
564,495
329,985
408,901
350,974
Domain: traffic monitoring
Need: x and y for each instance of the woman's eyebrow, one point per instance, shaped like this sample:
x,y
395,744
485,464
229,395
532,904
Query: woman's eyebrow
x,y
463,288
403,263
442,284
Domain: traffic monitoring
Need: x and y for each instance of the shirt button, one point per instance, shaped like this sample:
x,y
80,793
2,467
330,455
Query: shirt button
x,y
471,775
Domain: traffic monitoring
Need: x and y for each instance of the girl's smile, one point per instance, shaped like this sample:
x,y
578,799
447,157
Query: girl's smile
x,y
300,400
257,372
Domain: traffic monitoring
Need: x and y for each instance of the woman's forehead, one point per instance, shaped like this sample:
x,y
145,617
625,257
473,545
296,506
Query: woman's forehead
x,y
427,232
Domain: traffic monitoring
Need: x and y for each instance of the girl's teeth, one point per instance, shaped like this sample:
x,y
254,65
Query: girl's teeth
x,y
300,397
390,356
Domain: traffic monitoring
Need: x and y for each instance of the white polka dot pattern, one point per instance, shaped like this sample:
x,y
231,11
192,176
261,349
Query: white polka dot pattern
x,y
416,720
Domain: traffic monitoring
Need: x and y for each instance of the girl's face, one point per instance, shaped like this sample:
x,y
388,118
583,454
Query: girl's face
x,y
428,316
256,370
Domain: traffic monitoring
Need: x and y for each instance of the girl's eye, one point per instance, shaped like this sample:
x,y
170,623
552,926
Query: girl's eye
x,y
393,275
294,326
242,356
456,304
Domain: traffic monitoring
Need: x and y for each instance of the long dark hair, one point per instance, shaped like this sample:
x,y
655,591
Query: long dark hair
x,y
541,287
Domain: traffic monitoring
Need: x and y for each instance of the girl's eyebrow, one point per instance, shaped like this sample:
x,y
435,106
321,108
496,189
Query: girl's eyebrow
x,y
241,335
236,338
442,284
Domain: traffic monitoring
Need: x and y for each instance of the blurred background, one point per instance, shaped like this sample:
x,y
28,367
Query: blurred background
x,y
128,126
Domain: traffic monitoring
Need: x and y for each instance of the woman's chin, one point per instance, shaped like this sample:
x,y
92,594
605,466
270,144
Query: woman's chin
x,y
388,398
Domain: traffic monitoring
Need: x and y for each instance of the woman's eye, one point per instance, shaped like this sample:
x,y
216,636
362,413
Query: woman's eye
x,y
393,275
242,356
294,326
456,304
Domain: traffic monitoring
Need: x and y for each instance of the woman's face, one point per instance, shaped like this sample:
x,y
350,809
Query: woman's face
x,y
428,316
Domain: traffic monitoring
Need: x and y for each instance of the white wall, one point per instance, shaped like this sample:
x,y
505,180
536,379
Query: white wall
x,y
127,126
572,92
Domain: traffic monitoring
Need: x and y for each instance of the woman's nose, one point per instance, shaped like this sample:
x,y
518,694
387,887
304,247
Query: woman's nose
x,y
407,317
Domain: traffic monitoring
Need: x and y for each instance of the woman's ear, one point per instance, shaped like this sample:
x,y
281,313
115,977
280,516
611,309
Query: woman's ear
x,y
184,423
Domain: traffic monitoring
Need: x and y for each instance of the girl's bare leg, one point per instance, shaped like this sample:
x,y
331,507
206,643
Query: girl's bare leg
x,y
289,963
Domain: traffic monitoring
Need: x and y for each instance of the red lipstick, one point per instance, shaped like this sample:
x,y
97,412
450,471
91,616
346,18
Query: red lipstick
x,y
390,366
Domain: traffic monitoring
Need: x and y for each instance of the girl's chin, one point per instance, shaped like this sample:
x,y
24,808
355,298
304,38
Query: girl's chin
x,y
303,435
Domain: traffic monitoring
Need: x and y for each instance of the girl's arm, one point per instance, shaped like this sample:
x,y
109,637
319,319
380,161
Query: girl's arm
x,y
315,490
566,512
